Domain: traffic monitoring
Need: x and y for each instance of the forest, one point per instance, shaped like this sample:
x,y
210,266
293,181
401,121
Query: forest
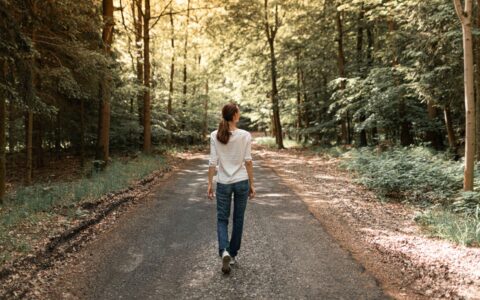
x,y
95,78
391,86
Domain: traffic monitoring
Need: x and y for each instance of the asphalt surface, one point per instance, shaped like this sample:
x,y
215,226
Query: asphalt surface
x,y
167,249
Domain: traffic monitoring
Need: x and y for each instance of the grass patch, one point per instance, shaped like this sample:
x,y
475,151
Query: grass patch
x,y
463,229
28,205
40,198
270,143
336,151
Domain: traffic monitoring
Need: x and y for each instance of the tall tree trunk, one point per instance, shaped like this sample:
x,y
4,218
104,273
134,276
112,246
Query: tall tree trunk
x,y
138,23
172,64
82,133
103,139
58,124
26,68
299,100
11,126
185,53
28,140
11,116
3,119
271,31
465,16
406,135
306,120
38,143
477,85
147,132
205,110
433,135
452,141
363,133
345,131
370,41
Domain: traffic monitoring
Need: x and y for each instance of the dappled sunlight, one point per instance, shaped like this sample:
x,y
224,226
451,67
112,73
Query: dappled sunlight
x,y
276,195
290,216
433,251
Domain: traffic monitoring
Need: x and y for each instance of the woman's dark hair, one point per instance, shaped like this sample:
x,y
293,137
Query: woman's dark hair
x,y
228,111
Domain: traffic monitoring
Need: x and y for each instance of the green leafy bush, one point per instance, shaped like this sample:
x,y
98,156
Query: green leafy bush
x,y
467,203
415,174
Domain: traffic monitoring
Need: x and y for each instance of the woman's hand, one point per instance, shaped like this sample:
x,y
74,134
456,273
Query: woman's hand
x,y
210,193
251,192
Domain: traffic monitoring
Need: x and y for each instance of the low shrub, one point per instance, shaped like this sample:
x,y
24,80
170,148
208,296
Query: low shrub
x,y
414,174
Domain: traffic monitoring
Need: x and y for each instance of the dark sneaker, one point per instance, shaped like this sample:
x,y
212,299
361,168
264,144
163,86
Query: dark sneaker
x,y
226,258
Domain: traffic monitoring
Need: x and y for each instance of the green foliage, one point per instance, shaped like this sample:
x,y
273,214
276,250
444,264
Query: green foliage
x,y
43,197
269,142
466,203
459,228
414,174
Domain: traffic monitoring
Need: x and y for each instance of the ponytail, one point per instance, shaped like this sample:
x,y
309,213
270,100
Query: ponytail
x,y
223,134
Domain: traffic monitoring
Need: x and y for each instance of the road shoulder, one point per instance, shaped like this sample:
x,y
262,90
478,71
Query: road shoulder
x,y
383,237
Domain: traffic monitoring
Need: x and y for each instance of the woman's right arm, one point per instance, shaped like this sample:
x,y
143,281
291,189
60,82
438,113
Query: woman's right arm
x,y
249,166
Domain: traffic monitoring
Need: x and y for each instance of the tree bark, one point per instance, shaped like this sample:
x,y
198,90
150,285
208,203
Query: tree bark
x,y
3,119
205,112
82,133
345,130
271,31
452,141
11,118
138,23
477,85
172,64
406,135
58,124
360,28
28,94
306,119
299,100
370,45
103,139
38,143
465,16
185,53
434,136
147,132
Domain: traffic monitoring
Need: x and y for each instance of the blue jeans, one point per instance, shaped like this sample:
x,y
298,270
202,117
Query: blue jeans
x,y
224,198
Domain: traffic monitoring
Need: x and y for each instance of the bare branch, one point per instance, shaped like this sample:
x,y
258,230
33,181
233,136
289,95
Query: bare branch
x,y
161,14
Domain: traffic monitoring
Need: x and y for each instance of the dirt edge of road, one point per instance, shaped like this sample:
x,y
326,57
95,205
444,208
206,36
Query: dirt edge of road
x,y
397,265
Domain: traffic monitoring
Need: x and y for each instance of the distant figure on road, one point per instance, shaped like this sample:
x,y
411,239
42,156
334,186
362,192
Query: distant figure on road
x,y
230,149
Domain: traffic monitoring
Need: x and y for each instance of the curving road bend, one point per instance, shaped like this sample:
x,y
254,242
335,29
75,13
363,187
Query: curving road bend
x,y
167,249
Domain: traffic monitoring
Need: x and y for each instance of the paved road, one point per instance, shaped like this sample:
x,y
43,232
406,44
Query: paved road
x,y
168,249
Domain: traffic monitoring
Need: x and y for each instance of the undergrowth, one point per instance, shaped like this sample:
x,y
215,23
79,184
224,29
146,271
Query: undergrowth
x,y
425,178
26,204
460,228
270,143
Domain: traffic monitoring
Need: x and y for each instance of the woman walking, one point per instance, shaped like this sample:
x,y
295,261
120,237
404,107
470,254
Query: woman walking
x,y
230,149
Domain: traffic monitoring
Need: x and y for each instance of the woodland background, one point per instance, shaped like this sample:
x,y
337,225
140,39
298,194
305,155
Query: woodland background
x,y
85,83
